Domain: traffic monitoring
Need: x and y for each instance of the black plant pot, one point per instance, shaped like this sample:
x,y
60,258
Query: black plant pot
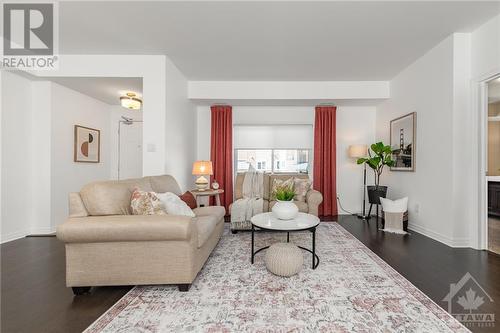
x,y
375,193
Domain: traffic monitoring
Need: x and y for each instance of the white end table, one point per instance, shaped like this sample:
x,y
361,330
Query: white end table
x,y
303,222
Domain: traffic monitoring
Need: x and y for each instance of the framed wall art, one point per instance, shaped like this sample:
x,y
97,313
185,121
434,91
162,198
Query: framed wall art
x,y
403,140
87,144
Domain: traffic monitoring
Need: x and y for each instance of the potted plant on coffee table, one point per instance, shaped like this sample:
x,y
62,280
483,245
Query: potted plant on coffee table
x,y
379,155
284,208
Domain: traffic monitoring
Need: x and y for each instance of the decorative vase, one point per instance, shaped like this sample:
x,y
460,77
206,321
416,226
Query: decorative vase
x,y
285,210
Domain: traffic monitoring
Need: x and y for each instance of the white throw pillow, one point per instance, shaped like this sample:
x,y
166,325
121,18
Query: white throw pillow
x,y
173,205
394,206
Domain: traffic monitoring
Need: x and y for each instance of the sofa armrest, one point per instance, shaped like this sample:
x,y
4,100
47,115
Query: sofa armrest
x,y
122,228
314,199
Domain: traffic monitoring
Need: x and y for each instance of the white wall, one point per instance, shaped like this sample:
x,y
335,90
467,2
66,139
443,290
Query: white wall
x,y
180,129
354,125
486,49
42,145
436,87
38,170
152,69
71,108
17,155
288,90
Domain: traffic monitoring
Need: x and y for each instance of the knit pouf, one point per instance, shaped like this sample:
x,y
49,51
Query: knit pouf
x,y
284,259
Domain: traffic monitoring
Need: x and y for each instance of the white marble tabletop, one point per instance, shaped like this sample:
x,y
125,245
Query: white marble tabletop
x,y
269,221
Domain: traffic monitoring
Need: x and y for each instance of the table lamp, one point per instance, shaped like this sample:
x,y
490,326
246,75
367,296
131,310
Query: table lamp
x,y
202,168
358,151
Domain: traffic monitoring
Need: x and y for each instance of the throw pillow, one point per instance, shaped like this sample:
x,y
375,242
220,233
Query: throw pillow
x,y
145,203
394,206
301,187
173,205
189,199
279,183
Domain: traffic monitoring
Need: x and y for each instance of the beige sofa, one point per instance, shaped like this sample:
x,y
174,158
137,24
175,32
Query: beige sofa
x,y
106,245
310,205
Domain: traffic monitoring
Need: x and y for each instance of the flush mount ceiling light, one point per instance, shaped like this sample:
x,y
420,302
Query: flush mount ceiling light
x,y
131,101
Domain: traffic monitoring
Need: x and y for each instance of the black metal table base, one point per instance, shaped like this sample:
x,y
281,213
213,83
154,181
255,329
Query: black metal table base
x,y
315,258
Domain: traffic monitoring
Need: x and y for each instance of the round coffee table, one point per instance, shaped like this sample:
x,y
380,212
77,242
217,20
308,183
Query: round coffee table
x,y
303,222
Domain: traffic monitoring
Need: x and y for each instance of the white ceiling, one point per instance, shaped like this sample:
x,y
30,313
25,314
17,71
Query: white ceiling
x,y
105,89
270,40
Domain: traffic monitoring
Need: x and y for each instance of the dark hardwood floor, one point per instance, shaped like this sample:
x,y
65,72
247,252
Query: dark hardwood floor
x,y
430,265
34,297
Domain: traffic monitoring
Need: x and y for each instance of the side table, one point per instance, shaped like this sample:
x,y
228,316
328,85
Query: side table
x,y
207,193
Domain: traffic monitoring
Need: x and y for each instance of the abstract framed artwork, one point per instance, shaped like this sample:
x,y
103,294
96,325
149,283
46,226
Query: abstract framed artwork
x,y
403,142
87,144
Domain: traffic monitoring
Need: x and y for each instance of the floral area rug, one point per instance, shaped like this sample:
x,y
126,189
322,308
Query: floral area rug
x,y
352,290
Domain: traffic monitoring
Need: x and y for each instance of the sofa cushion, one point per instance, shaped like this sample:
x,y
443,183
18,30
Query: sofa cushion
x,y
217,211
206,226
76,206
238,185
303,207
164,183
111,197
301,187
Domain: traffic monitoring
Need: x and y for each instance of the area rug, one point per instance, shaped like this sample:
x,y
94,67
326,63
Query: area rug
x,y
352,290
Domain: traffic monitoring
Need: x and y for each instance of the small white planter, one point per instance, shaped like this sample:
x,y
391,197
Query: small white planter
x,y
285,210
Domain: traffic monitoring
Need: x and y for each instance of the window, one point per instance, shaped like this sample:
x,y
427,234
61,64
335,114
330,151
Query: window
x,y
273,160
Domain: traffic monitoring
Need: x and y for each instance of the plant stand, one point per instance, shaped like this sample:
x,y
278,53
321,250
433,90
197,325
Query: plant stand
x,y
370,212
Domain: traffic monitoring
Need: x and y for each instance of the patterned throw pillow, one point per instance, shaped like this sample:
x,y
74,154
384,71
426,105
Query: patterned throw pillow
x,y
278,183
301,187
145,203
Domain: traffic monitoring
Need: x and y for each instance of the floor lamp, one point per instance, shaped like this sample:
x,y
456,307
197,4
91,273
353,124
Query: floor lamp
x,y
358,151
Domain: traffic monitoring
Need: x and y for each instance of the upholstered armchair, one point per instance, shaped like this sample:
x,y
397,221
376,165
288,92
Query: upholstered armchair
x,y
310,205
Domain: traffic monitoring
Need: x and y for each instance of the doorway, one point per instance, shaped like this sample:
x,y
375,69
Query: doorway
x,y
493,165
129,148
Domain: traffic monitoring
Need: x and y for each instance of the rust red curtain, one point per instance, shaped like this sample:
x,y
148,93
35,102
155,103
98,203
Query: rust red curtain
x,y
325,149
221,150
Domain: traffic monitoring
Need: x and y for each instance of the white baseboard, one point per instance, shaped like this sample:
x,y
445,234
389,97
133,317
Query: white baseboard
x,y
452,242
23,233
13,236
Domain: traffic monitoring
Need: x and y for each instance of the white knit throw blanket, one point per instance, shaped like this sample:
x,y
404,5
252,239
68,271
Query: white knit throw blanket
x,y
252,203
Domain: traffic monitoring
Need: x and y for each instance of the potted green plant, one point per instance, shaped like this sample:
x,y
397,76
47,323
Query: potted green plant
x,y
379,156
285,209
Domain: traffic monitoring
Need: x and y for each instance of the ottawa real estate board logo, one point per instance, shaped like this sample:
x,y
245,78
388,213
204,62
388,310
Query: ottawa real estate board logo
x,y
468,301
29,36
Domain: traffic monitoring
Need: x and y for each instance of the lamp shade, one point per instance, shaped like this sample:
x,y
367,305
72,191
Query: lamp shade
x,y
358,151
202,168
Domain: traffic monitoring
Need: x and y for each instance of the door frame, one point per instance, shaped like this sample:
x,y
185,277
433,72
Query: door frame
x,y
480,105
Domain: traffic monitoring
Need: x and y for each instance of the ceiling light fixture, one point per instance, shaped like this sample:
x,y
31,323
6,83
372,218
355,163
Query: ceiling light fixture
x,y
131,101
